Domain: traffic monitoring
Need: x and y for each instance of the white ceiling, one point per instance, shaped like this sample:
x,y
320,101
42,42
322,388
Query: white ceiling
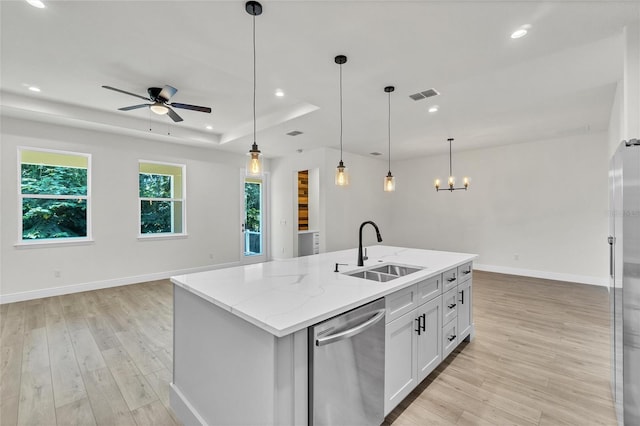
x,y
558,80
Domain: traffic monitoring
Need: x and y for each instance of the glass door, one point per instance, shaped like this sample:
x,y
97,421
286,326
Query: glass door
x,y
254,239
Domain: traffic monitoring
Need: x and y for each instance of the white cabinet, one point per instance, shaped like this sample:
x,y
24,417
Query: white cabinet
x,y
412,339
449,306
308,243
425,323
450,279
429,338
449,338
400,361
401,302
465,299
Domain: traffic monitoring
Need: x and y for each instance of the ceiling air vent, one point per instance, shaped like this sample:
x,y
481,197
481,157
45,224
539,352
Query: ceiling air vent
x,y
424,95
294,133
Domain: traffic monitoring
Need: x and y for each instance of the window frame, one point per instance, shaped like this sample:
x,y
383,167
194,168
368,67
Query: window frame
x,y
183,200
54,241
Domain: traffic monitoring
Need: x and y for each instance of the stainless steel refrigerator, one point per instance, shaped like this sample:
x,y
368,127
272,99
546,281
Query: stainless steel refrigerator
x,y
624,261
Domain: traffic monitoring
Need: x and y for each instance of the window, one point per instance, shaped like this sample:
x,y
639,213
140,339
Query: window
x,y
253,217
54,195
162,202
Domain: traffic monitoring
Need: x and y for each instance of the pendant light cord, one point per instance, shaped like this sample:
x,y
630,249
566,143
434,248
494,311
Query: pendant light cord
x,y
254,79
389,127
450,173
340,113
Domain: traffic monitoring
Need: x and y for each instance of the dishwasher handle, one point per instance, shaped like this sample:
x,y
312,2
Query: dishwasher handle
x,y
332,338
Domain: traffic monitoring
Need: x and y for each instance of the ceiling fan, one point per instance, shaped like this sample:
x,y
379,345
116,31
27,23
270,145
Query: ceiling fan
x,y
160,98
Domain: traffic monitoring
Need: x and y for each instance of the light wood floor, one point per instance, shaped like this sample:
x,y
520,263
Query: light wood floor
x,y
540,357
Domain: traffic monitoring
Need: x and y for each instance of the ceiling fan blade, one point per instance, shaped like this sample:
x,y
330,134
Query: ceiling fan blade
x,y
191,107
129,108
167,92
126,93
175,117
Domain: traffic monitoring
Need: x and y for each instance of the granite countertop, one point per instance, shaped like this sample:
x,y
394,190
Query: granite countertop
x,y
284,296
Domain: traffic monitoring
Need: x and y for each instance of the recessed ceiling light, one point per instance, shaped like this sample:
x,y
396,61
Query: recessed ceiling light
x,y
34,89
209,127
521,32
36,3
279,93
434,108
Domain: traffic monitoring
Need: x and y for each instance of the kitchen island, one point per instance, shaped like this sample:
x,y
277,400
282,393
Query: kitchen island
x,y
240,334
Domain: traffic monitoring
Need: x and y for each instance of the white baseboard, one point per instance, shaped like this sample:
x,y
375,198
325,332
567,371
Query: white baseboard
x,y
95,285
557,276
184,410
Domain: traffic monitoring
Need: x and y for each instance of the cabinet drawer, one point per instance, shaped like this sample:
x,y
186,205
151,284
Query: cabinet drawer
x,y
450,279
465,272
401,302
429,288
450,305
449,338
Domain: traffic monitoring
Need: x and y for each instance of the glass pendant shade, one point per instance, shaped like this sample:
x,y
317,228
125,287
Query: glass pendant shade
x,y
389,183
342,175
254,163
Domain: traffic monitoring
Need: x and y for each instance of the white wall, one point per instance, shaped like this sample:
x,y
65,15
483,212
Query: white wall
x,y
545,202
631,78
341,210
117,256
284,201
616,124
364,199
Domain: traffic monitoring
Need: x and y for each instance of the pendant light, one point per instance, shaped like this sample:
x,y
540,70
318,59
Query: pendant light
x,y
342,175
254,164
389,180
452,180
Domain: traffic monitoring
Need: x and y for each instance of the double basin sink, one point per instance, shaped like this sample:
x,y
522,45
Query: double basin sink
x,y
384,273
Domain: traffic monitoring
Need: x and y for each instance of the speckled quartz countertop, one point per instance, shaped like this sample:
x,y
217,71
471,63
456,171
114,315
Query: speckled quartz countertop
x,y
285,296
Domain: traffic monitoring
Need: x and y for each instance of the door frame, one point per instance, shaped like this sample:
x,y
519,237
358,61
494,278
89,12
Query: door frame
x,y
266,228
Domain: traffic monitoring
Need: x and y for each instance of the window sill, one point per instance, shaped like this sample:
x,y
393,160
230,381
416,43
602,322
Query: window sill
x,y
153,237
52,243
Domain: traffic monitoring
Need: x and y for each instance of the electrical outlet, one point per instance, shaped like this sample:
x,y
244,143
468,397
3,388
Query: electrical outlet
x,y
57,274
516,257
211,256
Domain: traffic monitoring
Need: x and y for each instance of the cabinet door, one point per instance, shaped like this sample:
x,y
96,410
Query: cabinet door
x,y
449,338
400,360
401,302
449,279
465,272
429,288
449,306
465,299
430,338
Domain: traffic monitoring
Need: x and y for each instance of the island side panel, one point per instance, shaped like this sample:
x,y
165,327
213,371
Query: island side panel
x,y
292,379
223,366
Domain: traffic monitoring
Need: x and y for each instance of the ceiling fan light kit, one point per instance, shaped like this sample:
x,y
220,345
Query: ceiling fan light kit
x,y
159,98
451,182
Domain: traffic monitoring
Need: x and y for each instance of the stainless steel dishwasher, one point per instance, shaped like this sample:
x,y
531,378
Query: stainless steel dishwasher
x,y
346,368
